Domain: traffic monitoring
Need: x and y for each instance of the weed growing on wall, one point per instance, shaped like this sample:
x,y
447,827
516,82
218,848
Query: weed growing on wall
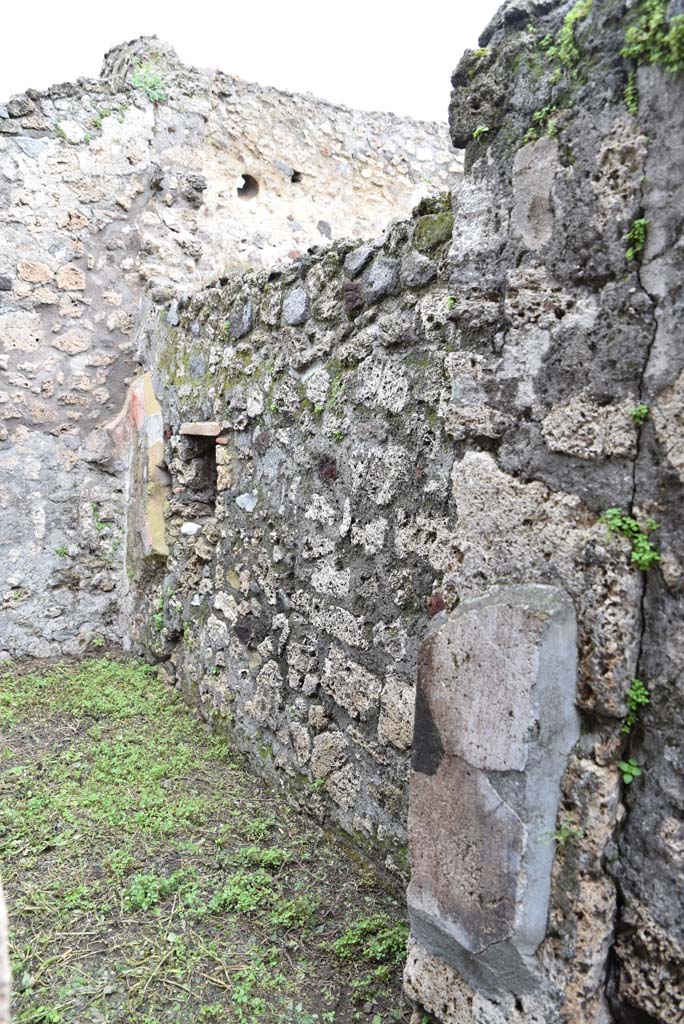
x,y
640,413
629,770
636,238
543,123
148,80
567,50
644,554
637,697
651,39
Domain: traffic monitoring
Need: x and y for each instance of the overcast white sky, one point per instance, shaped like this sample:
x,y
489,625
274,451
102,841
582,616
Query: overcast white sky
x,y
373,54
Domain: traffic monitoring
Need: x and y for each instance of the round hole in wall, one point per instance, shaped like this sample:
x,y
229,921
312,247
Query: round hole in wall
x,y
296,177
249,188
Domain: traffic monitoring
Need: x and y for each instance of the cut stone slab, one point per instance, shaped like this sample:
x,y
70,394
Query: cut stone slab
x,y
495,722
201,429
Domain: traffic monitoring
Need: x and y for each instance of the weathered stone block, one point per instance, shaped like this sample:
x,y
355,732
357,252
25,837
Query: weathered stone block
x,y
495,722
208,428
296,307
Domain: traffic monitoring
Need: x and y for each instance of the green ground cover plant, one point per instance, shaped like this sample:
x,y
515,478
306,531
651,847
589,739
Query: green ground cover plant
x,y
152,878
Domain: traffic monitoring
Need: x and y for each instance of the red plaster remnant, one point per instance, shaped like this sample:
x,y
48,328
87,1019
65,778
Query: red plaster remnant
x,y
435,605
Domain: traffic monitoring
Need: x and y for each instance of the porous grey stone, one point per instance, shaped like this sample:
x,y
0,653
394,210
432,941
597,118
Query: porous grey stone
x,y
242,321
296,307
417,270
357,259
381,279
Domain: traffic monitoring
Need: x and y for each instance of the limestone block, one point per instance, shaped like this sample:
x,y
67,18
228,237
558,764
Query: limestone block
x,y
495,722
201,429
589,430
396,714
35,272
350,685
534,169
70,278
72,342
20,331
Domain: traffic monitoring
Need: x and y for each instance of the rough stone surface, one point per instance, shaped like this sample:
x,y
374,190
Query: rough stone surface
x,y
444,422
495,722
111,206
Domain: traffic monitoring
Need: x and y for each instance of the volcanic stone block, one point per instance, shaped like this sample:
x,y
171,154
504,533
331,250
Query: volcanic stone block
x,y
495,722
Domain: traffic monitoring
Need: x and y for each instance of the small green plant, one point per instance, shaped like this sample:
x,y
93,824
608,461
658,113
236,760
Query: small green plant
x,y
480,132
158,614
211,1012
188,638
97,641
543,123
637,697
258,828
567,50
629,770
100,116
451,302
566,833
146,890
644,554
100,525
62,551
43,1015
374,940
639,413
245,891
636,238
147,79
295,913
270,859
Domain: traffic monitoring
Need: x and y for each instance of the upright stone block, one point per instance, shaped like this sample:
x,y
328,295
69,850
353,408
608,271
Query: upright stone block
x,y
495,722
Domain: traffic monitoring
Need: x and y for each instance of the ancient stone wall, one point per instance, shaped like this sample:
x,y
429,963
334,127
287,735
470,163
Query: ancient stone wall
x,y
115,194
396,461
450,456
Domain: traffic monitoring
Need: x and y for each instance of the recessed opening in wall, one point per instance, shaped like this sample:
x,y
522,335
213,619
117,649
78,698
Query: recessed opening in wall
x,y
197,473
296,177
249,188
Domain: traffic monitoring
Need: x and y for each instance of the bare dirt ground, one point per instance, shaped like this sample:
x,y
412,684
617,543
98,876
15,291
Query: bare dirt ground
x,y
151,878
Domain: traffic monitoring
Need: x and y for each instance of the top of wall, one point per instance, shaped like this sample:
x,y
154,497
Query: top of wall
x,y
323,171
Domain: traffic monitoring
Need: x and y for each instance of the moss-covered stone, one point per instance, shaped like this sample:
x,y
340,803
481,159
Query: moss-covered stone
x,y
432,231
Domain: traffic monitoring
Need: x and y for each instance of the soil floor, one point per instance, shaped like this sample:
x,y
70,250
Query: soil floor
x,y
151,878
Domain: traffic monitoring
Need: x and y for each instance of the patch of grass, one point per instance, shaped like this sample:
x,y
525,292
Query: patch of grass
x,y
373,939
152,878
480,132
